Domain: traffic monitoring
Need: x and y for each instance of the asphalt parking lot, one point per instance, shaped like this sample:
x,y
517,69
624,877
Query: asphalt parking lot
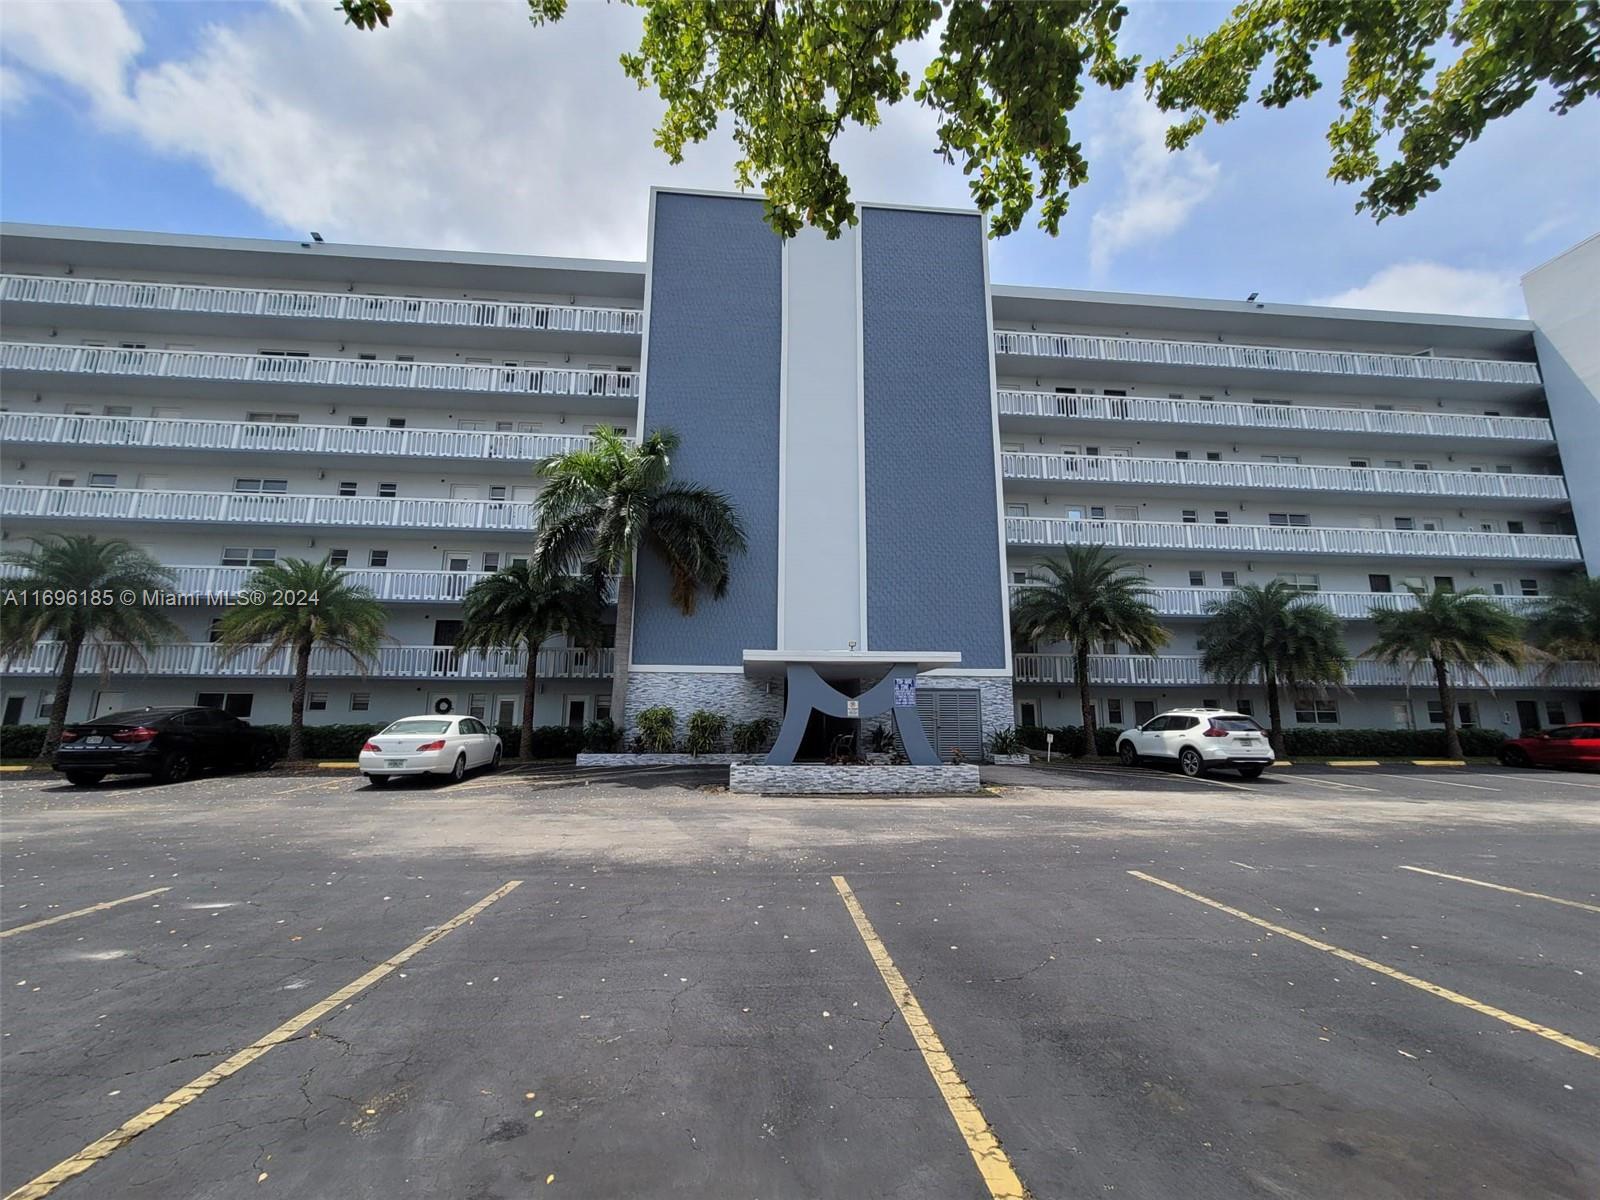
x,y
1331,983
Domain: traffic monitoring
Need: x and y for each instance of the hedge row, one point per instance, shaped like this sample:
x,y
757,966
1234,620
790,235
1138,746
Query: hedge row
x,y
1311,741
332,741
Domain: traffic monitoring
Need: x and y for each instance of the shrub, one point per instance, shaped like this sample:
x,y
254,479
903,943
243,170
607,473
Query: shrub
x,y
1387,743
21,741
602,736
1069,738
658,730
882,738
754,737
1005,741
705,731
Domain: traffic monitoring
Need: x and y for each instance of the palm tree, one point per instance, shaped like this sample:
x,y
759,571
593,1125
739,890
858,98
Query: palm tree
x,y
1448,630
338,613
1091,597
1567,624
601,506
1278,635
518,607
111,581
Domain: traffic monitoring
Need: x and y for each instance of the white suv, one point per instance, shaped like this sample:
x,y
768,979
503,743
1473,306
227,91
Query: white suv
x,y
1199,738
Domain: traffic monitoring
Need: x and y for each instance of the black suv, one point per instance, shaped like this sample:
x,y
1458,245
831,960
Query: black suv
x,y
171,744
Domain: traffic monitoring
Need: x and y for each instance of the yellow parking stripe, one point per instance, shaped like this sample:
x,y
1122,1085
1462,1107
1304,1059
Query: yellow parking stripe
x,y
992,1161
80,1162
1500,887
1433,989
81,912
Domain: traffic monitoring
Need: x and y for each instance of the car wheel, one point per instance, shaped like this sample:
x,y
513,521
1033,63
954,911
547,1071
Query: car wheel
x,y
377,780
1190,762
175,767
265,756
1514,756
459,771
494,763
1251,772
84,778
1128,755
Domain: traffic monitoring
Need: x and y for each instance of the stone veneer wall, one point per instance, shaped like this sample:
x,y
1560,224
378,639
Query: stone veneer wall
x,y
995,701
815,779
732,694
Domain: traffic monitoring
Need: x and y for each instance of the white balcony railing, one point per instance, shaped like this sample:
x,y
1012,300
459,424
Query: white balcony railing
x,y
1289,418
1280,477
249,508
1292,539
1350,606
208,660
1164,352
175,433
345,306
1185,671
331,372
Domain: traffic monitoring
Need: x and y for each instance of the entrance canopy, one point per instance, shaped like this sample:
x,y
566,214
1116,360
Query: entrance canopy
x,y
846,664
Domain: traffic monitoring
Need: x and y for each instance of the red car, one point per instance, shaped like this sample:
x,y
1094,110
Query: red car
x,y
1563,746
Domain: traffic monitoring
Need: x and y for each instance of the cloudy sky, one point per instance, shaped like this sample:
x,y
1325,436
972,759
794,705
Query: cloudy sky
x,y
463,126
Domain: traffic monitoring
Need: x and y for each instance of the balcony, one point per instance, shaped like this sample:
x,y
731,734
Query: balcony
x,y
1163,473
1184,671
250,508
183,372
120,434
1350,606
1271,419
134,304
1200,362
207,660
1307,541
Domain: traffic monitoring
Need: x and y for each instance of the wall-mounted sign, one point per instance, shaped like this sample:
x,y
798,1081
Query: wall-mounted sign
x,y
905,692
852,708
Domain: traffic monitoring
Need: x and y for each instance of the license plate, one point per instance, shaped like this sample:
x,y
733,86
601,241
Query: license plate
x,y
1247,741
394,762
96,740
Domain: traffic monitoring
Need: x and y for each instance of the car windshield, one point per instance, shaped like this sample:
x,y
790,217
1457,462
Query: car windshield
x,y
1237,724
419,726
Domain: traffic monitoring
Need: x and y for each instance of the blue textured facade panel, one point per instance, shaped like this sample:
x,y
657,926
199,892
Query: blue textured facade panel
x,y
712,375
933,549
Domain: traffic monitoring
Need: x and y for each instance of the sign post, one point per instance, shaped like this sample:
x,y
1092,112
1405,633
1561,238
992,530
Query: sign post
x,y
1049,741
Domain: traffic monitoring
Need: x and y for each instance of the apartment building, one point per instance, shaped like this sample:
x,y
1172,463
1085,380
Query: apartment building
x,y
904,438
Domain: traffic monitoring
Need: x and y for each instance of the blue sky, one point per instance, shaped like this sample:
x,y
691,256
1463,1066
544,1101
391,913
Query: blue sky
x,y
463,126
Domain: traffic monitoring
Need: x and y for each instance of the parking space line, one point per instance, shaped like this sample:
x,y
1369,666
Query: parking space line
x,y
1500,887
1433,989
1334,783
1477,787
992,1161
80,1162
1544,778
82,912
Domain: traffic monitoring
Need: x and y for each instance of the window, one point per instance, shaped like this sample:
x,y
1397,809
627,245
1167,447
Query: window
x,y
491,560
1181,455
1016,510
267,418
1174,395
1297,519
1413,583
117,410
1515,527
358,420
497,491
1230,579
1301,581
1213,456
1247,707
397,422
1466,713
1108,648
347,487
1310,710
1530,587
457,561
478,704
1113,712
1266,400
276,486
66,481
1499,589
1197,579
1280,458
236,704
338,558
360,701
1444,583
1219,516
214,630
47,701
1190,516
1556,711
240,556
317,701
102,480
1421,466
377,558
1097,512
1379,583
388,490
1211,702
1404,523
1360,462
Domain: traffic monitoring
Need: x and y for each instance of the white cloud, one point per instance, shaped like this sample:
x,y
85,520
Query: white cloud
x,y
459,126
1159,189
1431,287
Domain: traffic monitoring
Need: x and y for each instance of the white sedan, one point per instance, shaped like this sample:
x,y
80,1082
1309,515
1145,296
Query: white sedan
x,y
429,746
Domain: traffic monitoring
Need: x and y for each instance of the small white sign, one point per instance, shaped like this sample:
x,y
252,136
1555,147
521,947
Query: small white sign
x,y
852,708
1049,739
